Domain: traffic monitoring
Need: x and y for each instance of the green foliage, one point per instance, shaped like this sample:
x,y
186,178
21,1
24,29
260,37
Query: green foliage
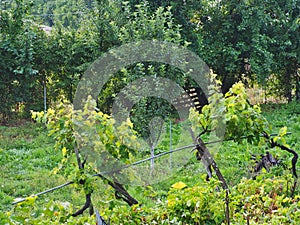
x,y
283,17
261,34
27,156
240,121
261,201
264,201
118,140
243,120
239,118
55,212
143,24
18,74
227,35
184,205
199,204
230,35
94,135
32,58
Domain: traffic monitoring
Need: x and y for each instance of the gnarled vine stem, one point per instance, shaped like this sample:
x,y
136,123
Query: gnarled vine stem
x,y
120,190
274,144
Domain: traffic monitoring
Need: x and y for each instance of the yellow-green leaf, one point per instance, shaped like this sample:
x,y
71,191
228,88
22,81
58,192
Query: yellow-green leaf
x,y
179,185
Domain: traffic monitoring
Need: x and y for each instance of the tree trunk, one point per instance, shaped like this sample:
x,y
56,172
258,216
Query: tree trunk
x,y
227,83
297,85
287,84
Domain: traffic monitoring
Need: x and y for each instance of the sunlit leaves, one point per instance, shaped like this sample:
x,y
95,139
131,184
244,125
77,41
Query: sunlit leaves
x,y
53,212
88,129
241,120
280,138
179,185
142,24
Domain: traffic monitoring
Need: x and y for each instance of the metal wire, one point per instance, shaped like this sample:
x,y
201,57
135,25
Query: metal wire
x,y
133,164
45,192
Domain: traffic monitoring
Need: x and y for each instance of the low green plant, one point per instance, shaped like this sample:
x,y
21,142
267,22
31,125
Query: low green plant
x,y
53,212
261,201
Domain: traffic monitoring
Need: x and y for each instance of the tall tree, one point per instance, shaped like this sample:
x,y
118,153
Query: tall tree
x,y
17,69
250,39
231,39
143,24
283,29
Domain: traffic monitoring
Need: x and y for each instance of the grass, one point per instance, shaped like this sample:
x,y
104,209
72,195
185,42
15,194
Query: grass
x,y
27,159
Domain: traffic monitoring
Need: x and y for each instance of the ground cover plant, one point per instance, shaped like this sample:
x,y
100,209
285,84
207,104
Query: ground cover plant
x,y
30,165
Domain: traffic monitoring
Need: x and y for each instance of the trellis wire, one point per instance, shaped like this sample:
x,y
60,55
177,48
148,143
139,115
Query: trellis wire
x,y
107,172
134,164
45,192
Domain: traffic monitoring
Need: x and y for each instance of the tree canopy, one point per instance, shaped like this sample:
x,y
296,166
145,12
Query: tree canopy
x,y
51,43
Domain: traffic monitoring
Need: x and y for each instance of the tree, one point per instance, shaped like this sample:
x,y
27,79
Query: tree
x,y
231,39
18,72
182,12
142,24
283,30
74,48
251,41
